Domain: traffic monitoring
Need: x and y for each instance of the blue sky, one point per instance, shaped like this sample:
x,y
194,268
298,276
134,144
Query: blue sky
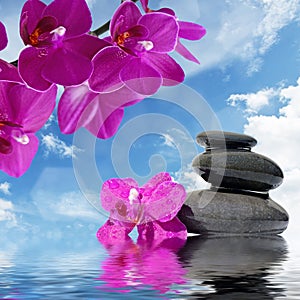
x,y
248,81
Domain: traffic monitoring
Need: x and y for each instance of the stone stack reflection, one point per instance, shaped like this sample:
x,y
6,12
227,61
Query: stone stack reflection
x,y
238,200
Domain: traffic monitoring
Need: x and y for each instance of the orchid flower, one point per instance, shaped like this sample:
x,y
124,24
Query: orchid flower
x,y
138,55
59,48
23,111
3,37
187,30
101,114
152,207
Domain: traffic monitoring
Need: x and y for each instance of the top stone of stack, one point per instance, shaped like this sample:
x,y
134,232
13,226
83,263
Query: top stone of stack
x,y
211,140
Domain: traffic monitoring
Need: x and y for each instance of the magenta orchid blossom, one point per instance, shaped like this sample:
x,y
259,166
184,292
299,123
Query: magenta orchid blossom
x,y
187,30
152,208
23,111
138,55
101,114
59,49
3,37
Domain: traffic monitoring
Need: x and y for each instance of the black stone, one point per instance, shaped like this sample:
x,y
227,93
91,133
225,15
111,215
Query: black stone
x,y
238,170
225,213
225,140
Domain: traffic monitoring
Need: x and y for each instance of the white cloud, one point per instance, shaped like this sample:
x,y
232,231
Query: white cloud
x,y
68,205
54,145
73,204
278,138
50,121
5,188
253,102
243,30
168,140
6,213
190,179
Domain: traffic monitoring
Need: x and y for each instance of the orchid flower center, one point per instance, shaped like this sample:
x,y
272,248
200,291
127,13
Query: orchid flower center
x,y
136,210
47,33
122,37
10,130
134,196
34,37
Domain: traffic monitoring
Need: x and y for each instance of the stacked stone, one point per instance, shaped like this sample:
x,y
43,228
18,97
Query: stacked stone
x,y
238,201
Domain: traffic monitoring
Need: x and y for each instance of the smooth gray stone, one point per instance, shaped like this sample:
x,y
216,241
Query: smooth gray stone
x,y
238,170
223,213
225,140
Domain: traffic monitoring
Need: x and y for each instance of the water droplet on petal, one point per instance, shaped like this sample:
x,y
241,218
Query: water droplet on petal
x,y
124,194
113,184
43,52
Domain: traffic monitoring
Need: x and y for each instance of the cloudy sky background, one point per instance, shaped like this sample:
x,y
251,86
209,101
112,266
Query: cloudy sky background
x,y
248,81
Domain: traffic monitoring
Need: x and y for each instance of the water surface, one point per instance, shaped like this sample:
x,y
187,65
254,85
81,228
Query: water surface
x,y
205,268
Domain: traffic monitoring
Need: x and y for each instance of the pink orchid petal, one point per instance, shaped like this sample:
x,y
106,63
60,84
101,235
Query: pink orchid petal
x,y
31,14
5,107
18,161
144,5
114,232
125,17
66,11
157,232
191,31
116,191
167,10
30,108
8,72
3,37
72,104
85,45
169,69
154,182
164,203
31,64
107,66
66,67
108,127
103,116
141,77
163,31
182,50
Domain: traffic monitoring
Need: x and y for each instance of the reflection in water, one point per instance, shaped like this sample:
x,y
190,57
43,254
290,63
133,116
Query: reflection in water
x,y
141,264
234,267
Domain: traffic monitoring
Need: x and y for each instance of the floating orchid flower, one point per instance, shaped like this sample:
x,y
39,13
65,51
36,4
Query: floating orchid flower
x,y
101,114
23,111
138,55
3,37
130,264
60,50
187,30
152,207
